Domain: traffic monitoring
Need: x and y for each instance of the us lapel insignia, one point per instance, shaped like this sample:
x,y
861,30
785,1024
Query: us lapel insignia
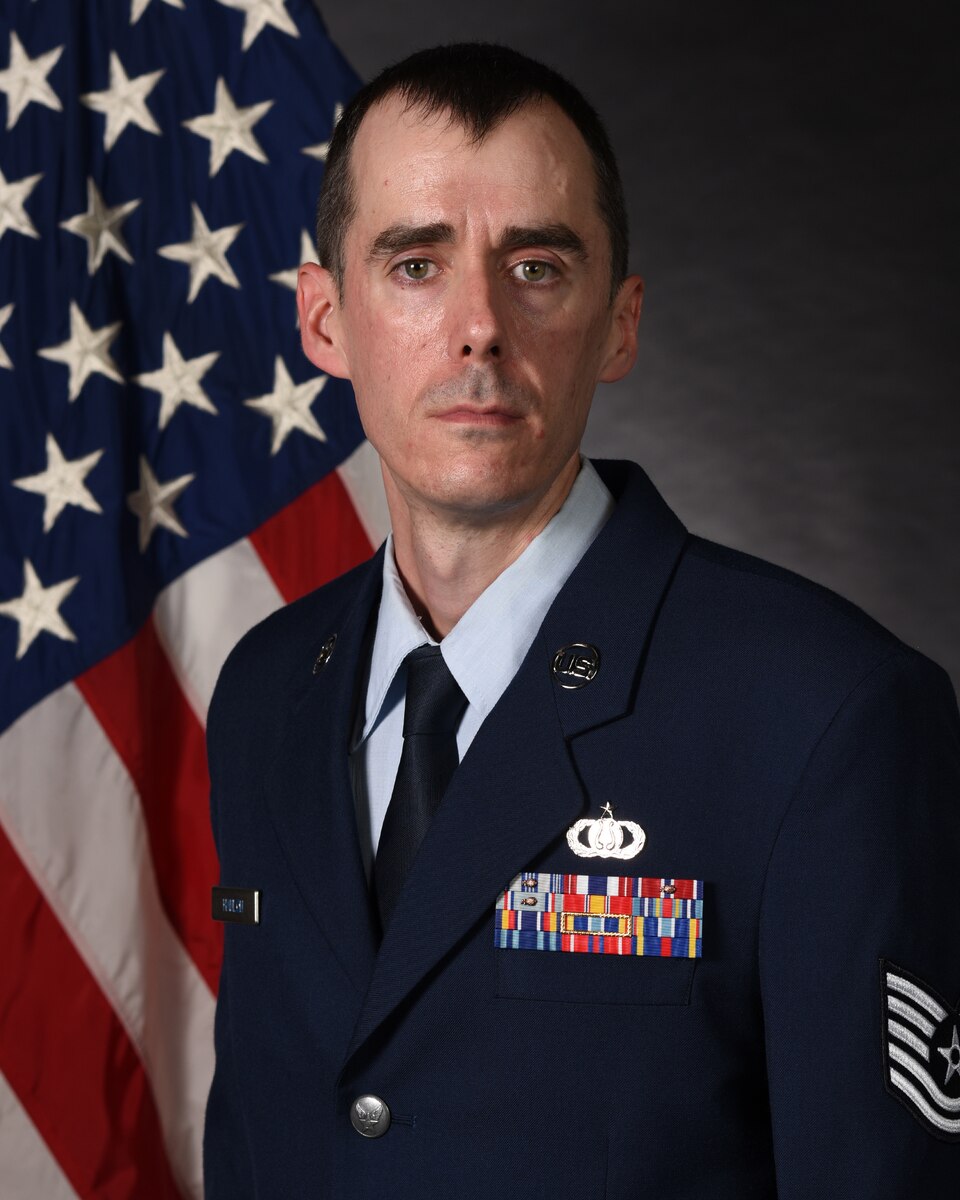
x,y
921,1051
605,837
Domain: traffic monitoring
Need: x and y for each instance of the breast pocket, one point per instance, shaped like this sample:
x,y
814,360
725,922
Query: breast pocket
x,y
593,939
579,979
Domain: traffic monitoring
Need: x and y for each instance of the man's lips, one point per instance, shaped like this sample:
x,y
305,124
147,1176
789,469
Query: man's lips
x,y
463,414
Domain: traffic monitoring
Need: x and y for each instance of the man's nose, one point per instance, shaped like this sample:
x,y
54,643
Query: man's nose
x,y
477,328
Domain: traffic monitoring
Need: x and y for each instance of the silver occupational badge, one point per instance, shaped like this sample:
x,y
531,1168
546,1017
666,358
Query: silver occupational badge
x,y
606,837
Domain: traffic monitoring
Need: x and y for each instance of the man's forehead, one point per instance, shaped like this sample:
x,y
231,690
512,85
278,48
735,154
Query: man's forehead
x,y
395,130
394,113
401,150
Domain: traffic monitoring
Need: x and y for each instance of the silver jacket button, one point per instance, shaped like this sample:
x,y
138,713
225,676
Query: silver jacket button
x,y
370,1116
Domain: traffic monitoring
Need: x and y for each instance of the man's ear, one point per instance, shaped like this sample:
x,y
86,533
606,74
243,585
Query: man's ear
x,y
622,343
318,303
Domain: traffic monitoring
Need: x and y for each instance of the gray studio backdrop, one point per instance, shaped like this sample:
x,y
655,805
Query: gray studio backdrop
x,y
792,178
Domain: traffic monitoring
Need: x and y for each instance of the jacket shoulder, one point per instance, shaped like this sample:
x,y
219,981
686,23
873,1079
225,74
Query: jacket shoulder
x,y
773,619
794,595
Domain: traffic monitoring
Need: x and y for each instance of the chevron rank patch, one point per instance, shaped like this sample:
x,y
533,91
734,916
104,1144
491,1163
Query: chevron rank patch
x,y
601,914
921,1050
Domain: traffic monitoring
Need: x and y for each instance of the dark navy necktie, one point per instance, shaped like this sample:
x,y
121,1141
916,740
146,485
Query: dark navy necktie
x,y
434,706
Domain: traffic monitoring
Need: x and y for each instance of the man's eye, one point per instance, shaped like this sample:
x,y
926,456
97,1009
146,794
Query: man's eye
x,y
415,268
533,270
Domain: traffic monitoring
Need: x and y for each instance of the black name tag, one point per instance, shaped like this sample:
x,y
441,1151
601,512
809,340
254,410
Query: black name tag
x,y
239,905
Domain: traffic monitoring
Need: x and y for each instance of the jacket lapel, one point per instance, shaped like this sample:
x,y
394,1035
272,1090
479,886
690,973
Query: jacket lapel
x,y
612,599
513,793
516,790
309,789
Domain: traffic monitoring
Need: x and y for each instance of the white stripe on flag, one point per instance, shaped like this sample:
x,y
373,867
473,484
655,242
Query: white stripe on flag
x,y
74,818
202,615
28,1169
361,476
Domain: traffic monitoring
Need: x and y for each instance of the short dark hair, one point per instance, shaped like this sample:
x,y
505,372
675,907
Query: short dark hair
x,y
480,85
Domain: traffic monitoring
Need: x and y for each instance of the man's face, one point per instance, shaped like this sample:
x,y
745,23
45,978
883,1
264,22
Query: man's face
x,y
476,316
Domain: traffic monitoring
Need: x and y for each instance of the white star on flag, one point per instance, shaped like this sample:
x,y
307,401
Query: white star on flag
x,y
124,102
62,483
259,14
5,314
13,196
139,7
85,352
322,149
153,503
25,80
206,253
101,226
178,380
229,128
308,253
288,406
36,609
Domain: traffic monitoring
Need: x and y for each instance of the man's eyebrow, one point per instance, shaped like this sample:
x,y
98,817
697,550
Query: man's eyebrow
x,y
396,238
399,237
552,237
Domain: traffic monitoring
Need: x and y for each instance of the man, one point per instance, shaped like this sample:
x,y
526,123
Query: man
x,y
683,921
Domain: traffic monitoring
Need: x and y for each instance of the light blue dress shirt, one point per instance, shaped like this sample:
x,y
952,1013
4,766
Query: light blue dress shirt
x,y
484,649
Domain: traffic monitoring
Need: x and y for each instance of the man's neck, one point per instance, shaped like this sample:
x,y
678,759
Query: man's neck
x,y
447,559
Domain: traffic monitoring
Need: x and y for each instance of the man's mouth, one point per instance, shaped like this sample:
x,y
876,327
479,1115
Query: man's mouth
x,y
479,399
466,414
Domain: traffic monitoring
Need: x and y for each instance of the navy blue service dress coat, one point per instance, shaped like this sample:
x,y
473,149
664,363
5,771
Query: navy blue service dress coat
x,y
770,739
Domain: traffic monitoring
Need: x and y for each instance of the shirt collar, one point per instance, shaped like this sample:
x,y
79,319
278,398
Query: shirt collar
x,y
485,648
399,630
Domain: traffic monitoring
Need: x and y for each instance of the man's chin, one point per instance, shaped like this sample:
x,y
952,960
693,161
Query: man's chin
x,y
473,483
471,491
478,503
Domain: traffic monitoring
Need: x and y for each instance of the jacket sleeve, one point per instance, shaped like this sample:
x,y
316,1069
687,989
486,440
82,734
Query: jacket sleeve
x,y
865,871
227,1170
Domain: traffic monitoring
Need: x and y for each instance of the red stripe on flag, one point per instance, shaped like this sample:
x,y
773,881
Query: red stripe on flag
x,y
138,702
312,540
68,1058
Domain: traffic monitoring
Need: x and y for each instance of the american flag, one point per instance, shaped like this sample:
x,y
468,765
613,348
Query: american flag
x,y
172,469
